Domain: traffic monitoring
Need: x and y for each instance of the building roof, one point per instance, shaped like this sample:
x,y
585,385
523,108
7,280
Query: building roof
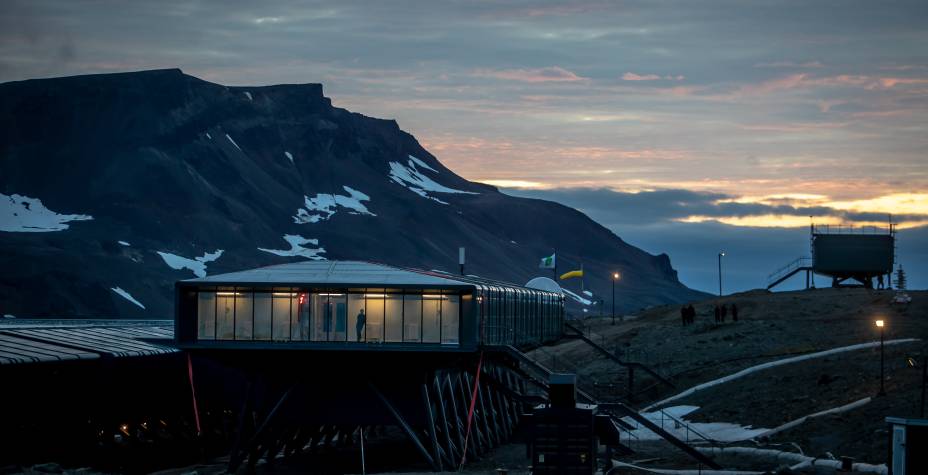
x,y
354,273
36,341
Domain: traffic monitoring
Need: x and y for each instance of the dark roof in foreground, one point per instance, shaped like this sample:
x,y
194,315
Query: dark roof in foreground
x,y
35,341
358,273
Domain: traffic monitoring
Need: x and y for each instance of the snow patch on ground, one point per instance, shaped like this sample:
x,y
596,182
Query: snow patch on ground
x,y
668,471
124,243
233,143
7,315
577,297
209,136
248,95
197,264
127,296
323,206
773,364
27,215
297,248
289,156
411,178
672,420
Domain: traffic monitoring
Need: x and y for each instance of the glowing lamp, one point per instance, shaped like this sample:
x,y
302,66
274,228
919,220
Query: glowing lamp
x,y
879,323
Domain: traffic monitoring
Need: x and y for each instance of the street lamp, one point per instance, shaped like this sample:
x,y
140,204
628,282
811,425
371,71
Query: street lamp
x,y
615,277
879,324
721,254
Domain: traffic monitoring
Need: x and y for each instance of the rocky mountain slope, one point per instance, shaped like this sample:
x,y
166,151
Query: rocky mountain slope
x,y
113,187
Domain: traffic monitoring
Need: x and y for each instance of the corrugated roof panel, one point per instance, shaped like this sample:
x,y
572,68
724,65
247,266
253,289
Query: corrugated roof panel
x,y
14,349
57,340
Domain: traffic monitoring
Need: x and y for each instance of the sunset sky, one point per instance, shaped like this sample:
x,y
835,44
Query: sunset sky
x,y
726,119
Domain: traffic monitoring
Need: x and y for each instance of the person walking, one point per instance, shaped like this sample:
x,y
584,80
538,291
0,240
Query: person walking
x,y
362,320
684,315
692,313
734,312
724,312
718,314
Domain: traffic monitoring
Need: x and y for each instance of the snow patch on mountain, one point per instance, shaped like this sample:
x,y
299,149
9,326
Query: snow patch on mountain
x,y
421,163
323,206
289,156
297,248
233,143
197,264
23,214
411,178
248,95
127,296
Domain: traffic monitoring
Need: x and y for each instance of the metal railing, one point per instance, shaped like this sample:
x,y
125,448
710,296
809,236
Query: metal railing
x,y
852,229
792,266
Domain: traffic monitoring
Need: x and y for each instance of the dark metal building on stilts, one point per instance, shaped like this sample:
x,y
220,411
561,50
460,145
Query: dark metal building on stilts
x,y
328,349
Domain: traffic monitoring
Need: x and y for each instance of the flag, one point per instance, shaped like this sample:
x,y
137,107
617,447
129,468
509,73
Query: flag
x,y
548,262
572,274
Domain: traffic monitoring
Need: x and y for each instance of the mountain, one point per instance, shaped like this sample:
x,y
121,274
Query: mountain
x,y
114,186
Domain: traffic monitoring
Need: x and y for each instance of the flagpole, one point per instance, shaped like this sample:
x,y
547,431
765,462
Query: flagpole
x,y
555,265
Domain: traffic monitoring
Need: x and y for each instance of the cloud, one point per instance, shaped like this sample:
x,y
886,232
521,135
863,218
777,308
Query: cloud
x,y
617,208
790,64
650,77
535,75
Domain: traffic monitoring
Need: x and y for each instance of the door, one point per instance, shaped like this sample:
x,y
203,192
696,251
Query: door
x,y
898,450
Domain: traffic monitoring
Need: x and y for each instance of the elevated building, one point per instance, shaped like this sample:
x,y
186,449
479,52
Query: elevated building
x,y
351,305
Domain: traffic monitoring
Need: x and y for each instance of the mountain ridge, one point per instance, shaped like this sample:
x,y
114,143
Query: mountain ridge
x,y
172,164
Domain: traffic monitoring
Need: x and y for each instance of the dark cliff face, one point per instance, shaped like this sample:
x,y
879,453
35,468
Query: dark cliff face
x,y
167,162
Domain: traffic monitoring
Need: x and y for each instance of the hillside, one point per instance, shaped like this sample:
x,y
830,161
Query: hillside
x,y
773,328
113,187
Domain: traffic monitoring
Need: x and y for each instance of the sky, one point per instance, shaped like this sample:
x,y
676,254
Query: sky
x,y
683,126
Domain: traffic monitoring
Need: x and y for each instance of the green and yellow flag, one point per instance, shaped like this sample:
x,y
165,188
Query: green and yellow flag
x,y
548,262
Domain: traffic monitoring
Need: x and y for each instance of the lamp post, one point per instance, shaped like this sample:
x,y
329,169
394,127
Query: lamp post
x,y
879,324
721,254
615,277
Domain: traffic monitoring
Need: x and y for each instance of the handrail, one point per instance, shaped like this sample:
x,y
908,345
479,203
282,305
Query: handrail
x,y
794,264
627,364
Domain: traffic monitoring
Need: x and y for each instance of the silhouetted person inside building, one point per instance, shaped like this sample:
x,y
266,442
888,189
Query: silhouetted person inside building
x,y
692,313
734,313
879,281
718,314
362,320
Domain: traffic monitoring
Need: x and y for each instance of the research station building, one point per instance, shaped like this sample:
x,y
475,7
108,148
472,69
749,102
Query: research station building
x,y
354,305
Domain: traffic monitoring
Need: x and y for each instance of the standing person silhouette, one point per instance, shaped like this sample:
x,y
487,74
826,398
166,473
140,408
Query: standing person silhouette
x,y
734,313
718,314
724,312
359,326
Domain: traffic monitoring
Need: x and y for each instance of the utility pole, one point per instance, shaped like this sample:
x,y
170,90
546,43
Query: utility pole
x,y
615,277
721,254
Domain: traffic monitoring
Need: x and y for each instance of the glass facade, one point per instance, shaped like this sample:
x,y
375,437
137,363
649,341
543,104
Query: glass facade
x,y
344,315
488,314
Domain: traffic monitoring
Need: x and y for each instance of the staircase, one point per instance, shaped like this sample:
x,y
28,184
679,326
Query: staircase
x,y
800,264
615,410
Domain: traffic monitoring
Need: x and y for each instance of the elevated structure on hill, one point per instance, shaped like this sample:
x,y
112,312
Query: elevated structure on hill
x,y
847,254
